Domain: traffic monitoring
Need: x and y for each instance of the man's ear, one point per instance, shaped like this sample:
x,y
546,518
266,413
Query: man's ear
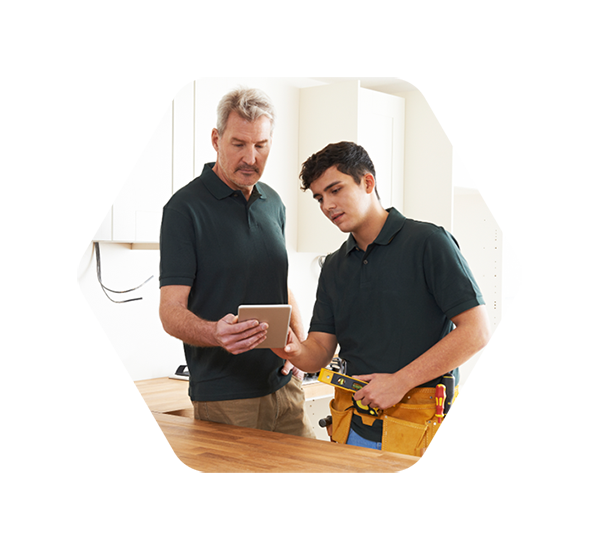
x,y
214,139
370,182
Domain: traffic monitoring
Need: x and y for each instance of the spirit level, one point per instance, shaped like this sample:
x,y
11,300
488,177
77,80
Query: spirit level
x,y
346,383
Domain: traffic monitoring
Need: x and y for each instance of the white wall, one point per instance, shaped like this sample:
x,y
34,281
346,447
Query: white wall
x,y
436,121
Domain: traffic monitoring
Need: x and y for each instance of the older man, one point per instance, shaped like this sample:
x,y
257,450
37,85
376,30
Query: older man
x,y
222,244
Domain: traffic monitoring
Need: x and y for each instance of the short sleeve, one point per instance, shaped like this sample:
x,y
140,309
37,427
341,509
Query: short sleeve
x,y
448,275
178,262
323,317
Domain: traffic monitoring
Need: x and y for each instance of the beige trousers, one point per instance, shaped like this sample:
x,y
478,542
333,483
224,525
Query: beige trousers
x,y
281,411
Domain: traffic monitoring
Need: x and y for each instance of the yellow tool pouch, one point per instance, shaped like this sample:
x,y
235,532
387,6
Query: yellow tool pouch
x,y
408,427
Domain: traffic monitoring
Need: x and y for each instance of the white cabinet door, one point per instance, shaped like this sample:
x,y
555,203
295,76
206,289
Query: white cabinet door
x,y
104,232
347,112
381,121
183,136
165,166
137,211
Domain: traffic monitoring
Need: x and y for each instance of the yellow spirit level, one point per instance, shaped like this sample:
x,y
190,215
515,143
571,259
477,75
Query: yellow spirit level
x,y
346,383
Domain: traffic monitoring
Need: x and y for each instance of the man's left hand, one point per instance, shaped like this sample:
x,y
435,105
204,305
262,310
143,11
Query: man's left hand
x,y
287,367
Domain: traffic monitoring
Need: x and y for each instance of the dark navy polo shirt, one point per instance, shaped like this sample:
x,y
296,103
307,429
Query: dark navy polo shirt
x,y
391,303
230,252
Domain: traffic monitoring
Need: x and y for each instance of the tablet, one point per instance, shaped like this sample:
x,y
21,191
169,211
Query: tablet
x,y
276,316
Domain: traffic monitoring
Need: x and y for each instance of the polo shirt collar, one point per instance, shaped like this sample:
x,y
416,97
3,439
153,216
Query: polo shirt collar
x,y
219,188
393,224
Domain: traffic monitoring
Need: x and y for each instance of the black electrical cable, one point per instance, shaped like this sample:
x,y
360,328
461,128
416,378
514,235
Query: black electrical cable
x,y
104,288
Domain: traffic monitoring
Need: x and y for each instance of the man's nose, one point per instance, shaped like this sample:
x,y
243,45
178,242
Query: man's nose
x,y
327,204
249,156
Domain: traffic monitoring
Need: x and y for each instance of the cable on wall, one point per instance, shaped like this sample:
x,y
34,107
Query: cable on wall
x,y
106,289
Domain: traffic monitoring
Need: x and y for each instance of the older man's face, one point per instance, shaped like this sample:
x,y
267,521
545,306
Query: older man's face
x,y
242,151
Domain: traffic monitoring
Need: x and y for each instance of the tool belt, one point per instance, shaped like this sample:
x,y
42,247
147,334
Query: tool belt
x,y
408,427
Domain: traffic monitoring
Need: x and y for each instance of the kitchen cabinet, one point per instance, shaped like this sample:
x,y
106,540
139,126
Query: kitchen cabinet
x,y
104,232
136,212
166,164
183,137
345,111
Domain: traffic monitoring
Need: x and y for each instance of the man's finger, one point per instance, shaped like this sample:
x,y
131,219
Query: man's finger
x,y
230,319
246,344
240,328
286,368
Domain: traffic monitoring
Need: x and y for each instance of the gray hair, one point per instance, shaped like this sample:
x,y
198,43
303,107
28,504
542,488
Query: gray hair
x,y
249,103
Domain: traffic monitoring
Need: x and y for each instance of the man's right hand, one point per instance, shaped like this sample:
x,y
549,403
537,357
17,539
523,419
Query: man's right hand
x,y
314,353
227,333
238,337
291,349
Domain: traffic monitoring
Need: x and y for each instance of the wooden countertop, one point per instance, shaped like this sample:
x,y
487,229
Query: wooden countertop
x,y
188,446
209,447
181,444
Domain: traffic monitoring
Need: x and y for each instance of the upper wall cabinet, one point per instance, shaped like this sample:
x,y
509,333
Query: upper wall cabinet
x,y
165,165
136,212
345,111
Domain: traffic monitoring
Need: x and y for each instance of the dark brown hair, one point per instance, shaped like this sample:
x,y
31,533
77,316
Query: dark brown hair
x,y
348,157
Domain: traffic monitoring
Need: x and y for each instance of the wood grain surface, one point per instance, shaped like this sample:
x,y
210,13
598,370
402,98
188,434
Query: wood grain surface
x,y
172,441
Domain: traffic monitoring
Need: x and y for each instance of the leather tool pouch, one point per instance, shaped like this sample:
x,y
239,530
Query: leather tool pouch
x,y
341,412
408,427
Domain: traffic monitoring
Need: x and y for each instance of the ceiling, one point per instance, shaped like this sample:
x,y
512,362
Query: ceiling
x,y
398,84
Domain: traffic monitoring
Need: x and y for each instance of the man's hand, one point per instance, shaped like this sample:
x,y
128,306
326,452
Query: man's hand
x,y
238,337
291,349
471,334
226,333
382,391
288,367
314,353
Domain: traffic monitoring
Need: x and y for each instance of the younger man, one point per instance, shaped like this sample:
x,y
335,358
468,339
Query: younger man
x,y
390,297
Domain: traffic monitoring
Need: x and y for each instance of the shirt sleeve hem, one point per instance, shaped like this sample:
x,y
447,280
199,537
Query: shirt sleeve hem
x,y
170,281
321,328
465,306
